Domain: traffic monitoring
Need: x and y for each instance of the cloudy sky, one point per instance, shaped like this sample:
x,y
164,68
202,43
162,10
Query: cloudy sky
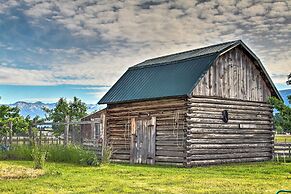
x,y
54,48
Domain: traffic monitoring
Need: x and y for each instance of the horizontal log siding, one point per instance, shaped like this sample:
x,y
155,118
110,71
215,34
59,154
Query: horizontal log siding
x,y
170,129
247,136
234,75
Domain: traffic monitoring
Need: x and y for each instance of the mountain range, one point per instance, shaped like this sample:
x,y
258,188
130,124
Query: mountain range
x,y
33,109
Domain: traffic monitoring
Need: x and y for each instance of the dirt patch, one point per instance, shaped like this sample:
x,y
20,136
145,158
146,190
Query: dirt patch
x,y
18,172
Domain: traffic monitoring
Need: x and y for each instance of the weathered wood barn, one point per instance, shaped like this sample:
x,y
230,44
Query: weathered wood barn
x,y
199,107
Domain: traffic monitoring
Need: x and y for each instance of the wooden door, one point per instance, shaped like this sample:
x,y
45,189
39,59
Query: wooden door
x,y
143,141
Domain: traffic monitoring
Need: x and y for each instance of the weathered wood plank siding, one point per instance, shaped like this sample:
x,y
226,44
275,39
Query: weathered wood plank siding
x,y
86,129
170,128
234,75
247,136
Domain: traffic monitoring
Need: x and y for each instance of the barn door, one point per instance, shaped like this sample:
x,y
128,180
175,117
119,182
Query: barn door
x,y
143,141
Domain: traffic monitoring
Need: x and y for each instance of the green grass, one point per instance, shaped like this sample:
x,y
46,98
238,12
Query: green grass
x,y
283,138
267,177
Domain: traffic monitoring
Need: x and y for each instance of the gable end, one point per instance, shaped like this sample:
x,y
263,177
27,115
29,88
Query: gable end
x,y
236,73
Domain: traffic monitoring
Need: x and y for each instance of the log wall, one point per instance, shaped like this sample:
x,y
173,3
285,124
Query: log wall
x,y
247,136
234,75
170,128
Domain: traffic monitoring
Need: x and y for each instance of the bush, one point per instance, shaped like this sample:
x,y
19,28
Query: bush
x,y
89,158
38,156
107,153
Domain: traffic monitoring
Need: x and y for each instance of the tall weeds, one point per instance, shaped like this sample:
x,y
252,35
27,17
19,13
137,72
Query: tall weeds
x,y
39,157
54,153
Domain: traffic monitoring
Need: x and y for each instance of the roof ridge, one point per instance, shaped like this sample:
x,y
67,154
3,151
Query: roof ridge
x,y
170,62
187,51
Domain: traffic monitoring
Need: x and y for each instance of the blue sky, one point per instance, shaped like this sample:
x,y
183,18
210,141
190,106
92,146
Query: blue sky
x,y
47,94
51,48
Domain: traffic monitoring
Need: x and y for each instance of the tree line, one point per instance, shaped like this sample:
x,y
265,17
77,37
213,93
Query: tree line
x,y
12,122
282,119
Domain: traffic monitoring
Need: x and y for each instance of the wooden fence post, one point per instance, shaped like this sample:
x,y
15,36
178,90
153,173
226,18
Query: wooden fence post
x,y
73,134
66,132
10,132
40,136
5,139
30,135
33,138
24,140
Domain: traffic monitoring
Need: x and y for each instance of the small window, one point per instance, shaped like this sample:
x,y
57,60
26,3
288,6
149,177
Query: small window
x,y
225,116
97,130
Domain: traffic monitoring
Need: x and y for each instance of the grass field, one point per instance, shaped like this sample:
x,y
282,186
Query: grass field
x,y
267,177
283,138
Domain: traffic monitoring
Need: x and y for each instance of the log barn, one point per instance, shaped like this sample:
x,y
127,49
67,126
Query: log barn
x,y
199,107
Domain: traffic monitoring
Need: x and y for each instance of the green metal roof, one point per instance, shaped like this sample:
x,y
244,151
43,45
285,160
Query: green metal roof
x,y
168,76
188,54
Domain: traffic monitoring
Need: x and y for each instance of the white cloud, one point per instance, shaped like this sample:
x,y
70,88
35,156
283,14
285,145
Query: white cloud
x,y
40,9
97,95
280,9
161,29
254,10
16,76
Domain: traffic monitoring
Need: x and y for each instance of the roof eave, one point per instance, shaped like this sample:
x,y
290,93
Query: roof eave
x,y
144,99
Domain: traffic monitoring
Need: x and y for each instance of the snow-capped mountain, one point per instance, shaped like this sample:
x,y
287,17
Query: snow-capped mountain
x,y
35,108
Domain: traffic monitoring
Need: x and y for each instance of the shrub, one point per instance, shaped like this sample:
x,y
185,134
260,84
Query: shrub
x,y
38,156
107,153
89,158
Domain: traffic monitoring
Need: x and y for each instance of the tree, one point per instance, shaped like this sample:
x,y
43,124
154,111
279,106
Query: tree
x,y
32,127
77,109
58,114
11,121
73,110
283,118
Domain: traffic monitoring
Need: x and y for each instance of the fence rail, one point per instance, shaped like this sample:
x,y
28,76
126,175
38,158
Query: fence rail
x,y
282,149
89,144
23,140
